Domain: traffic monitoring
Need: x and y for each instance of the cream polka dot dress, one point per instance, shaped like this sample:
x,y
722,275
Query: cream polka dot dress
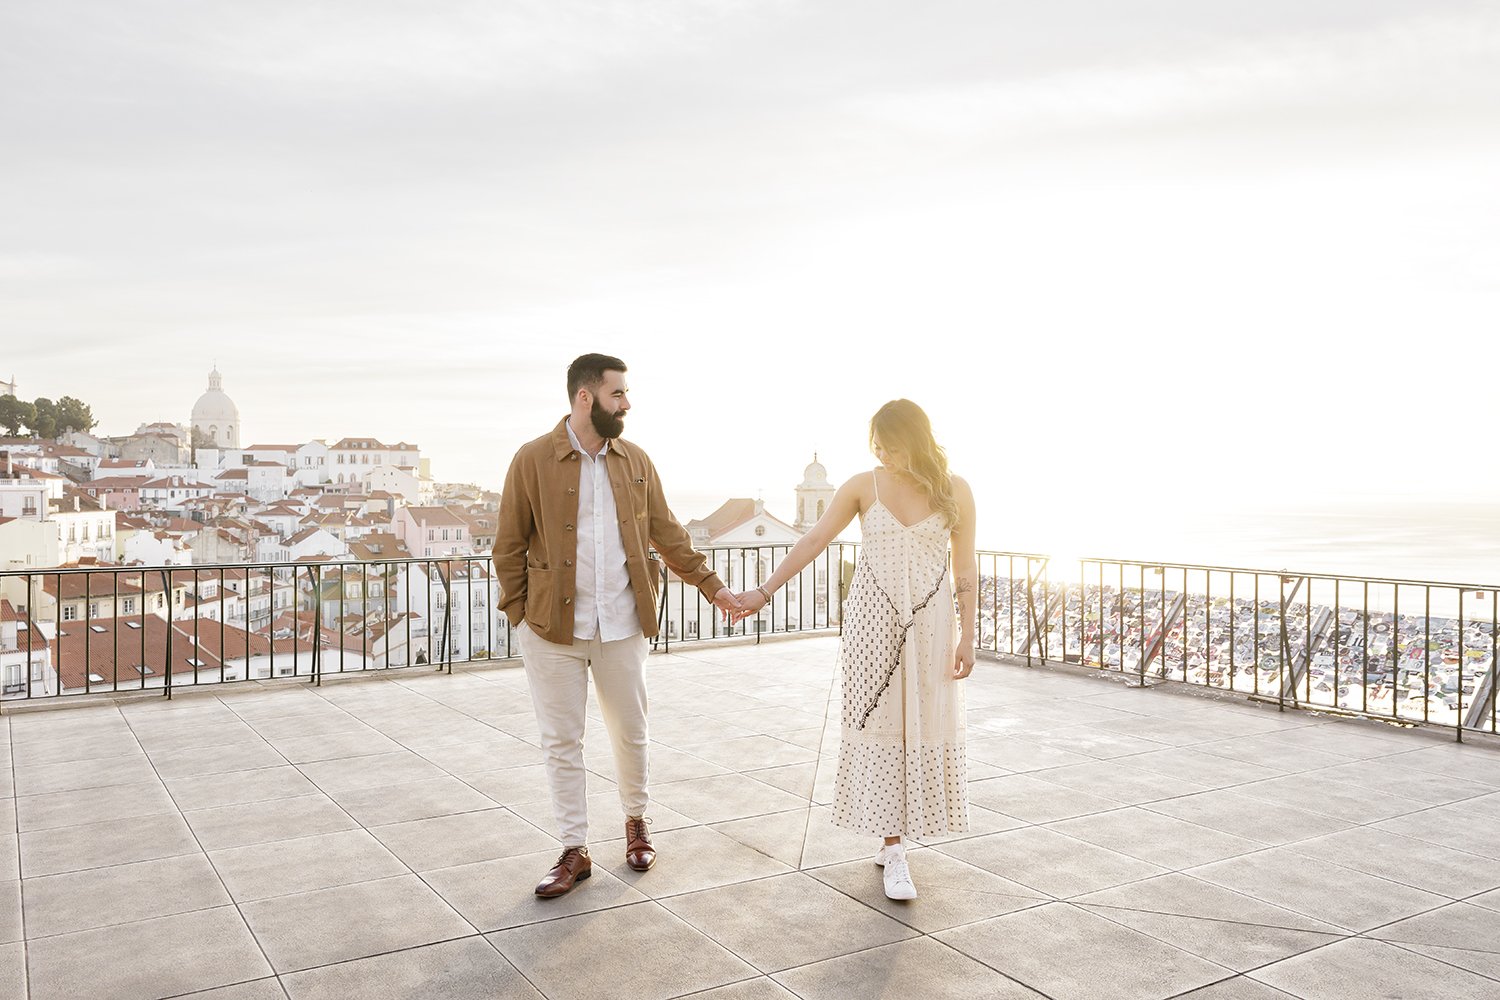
x,y
901,749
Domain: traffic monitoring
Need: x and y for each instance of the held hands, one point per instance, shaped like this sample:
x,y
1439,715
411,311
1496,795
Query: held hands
x,y
726,602
963,660
751,601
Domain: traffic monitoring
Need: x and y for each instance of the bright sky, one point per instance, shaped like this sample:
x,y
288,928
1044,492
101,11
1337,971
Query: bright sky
x,y
1144,253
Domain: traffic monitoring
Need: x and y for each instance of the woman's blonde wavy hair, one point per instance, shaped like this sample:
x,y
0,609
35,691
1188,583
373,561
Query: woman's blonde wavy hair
x,y
903,427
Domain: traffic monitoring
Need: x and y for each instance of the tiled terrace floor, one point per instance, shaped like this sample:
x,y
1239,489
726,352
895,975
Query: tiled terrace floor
x,y
380,838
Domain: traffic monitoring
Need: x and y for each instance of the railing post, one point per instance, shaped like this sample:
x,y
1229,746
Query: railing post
x,y
167,587
316,573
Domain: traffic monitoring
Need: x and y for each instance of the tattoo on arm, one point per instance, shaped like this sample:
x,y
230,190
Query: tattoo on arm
x,y
964,586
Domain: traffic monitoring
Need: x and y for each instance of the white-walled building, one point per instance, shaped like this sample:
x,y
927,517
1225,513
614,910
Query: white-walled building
x,y
311,463
85,529
396,481
432,531
172,493
27,543
264,481
25,656
350,458
155,548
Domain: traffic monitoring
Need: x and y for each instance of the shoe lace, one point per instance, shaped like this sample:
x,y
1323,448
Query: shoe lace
x,y
563,858
897,870
635,827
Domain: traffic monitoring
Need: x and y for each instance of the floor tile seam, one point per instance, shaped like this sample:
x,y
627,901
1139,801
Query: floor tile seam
x,y
25,965
1271,902
1387,878
1180,948
976,958
1338,932
1350,784
422,876
1187,993
174,811
1287,847
1428,944
280,974
958,951
1330,815
929,884
1404,946
1471,897
369,828
1306,812
1260,845
15,766
259,979
502,956
89,788
748,979
1084,791
400,682
227,902
223,886
347,885
1409,916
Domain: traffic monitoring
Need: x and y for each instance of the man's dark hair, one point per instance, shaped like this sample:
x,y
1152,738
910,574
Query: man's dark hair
x,y
587,371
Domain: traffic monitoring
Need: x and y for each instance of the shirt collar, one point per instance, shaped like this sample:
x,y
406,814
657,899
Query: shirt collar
x,y
573,439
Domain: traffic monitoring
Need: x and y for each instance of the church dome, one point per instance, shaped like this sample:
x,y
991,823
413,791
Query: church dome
x,y
215,414
815,476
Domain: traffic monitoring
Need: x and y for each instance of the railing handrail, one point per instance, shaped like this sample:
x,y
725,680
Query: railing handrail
x,y
1146,618
1353,577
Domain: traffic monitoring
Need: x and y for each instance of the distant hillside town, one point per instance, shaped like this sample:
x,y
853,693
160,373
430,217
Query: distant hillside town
x,y
174,494
257,553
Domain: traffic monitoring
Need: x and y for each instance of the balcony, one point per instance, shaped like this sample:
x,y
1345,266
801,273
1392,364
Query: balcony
x,y
380,835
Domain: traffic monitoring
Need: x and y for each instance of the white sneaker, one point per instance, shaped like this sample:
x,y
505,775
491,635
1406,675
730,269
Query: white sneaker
x,y
898,883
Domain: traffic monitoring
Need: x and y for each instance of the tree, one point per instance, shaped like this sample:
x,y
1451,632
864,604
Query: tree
x,y
43,422
15,412
74,415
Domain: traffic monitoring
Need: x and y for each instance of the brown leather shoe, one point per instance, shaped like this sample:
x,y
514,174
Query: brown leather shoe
x,y
574,866
639,854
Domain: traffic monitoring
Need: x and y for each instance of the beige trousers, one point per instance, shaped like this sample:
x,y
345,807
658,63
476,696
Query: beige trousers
x,y
559,680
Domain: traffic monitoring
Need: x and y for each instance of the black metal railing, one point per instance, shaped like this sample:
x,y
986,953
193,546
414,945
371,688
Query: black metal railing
x,y
130,628
1405,651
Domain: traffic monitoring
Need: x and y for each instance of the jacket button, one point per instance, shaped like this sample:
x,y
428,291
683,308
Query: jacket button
x,y
571,491
567,600
567,527
567,562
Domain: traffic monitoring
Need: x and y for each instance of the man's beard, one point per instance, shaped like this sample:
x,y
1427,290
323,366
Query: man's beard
x,y
606,425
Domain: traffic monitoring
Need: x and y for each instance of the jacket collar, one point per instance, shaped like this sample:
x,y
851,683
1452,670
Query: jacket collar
x,y
562,445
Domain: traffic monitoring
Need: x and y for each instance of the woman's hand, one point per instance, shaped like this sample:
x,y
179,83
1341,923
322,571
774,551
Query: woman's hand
x,y
751,602
963,660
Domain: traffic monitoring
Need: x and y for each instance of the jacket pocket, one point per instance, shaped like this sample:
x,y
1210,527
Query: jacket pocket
x,y
541,596
653,577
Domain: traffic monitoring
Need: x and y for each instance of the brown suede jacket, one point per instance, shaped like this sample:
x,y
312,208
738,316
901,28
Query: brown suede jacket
x,y
536,541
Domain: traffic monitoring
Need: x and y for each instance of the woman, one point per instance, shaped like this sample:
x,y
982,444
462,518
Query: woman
x,y
901,754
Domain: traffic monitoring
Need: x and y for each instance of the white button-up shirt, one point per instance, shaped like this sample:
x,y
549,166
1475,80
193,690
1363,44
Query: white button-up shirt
x,y
603,601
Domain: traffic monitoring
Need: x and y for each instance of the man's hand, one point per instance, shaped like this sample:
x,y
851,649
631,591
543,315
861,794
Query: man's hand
x,y
751,602
726,602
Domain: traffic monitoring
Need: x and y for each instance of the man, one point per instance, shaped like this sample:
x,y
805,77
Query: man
x,y
579,511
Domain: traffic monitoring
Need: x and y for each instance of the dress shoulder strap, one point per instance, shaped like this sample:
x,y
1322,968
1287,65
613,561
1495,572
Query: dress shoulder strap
x,y
875,479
